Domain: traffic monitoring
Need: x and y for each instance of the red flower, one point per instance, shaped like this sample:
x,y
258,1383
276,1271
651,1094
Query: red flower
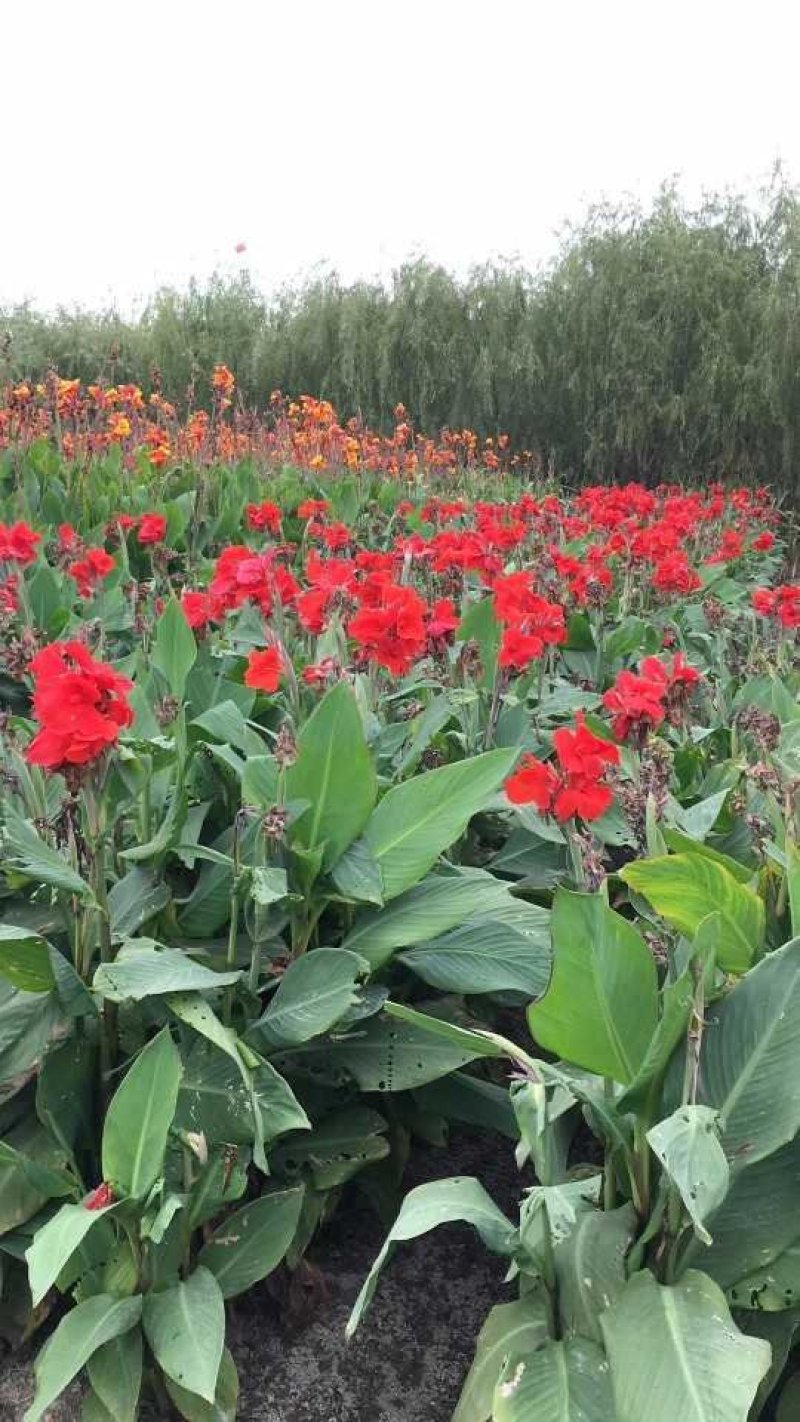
x,y
264,515
731,547
312,508
336,535
518,649
196,608
764,601
81,706
18,543
98,1199
578,786
442,621
764,543
673,575
68,539
320,673
390,626
91,570
264,670
637,703
152,528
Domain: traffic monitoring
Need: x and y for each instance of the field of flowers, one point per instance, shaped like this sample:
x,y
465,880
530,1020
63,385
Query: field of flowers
x,y
354,786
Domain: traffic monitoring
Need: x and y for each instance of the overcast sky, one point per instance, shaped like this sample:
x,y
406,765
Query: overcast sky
x,y
142,143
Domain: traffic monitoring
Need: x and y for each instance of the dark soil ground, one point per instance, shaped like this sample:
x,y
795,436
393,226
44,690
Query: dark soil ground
x,y
408,1360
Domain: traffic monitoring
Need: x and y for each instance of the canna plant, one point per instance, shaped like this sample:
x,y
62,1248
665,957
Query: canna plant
x,y
655,1273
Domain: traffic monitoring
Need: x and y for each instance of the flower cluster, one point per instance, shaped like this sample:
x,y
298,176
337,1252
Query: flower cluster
x,y
81,705
639,702
576,786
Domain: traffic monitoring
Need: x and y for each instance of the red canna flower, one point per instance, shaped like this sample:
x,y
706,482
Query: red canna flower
x,y
578,787
196,608
18,543
264,516
100,1198
637,703
312,508
442,621
764,543
390,626
91,570
152,528
264,670
81,706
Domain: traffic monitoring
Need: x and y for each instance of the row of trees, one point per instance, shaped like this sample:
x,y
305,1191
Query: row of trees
x,y
659,343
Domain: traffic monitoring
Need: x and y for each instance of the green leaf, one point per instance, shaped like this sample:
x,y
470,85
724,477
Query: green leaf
x,y
685,888
333,771
510,1330
223,1408
673,1022
416,821
174,649
134,899
440,1202
756,1222
260,781
65,1092
312,995
143,969
562,1382
698,820
336,1149
386,1055
26,852
25,959
358,876
600,1009
480,625
268,885
507,950
687,1144
793,876
675,1352
214,1099
249,1244
590,1267
751,1054
55,1242
84,1329
139,1117
115,1372
434,906
197,1014
185,1327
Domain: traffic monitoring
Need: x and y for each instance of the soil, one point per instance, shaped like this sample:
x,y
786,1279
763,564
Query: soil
x,y
410,1356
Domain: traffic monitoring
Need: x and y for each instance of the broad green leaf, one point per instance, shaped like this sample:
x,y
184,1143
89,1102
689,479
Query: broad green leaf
x,y
143,969
222,1409
687,1144
756,1222
312,995
31,1173
358,876
336,1149
510,1330
115,1372
260,781
440,1202
676,1005
139,1117
249,1244
778,1330
84,1329
675,1352
214,1099
174,650
789,1403
750,1068
53,1244
698,820
433,907
185,1327
561,1382
600,1009
772,1288
504,951
480,625
65,1091
25,959
793,876
197,1014
590,1267
682,844
417,821
134,899
685,888
26,852
333,771
268,885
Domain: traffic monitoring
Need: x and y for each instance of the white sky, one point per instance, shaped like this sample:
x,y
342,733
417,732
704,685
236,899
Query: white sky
x,y
142,142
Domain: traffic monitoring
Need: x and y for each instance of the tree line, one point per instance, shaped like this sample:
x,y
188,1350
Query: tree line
x,y
659,343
